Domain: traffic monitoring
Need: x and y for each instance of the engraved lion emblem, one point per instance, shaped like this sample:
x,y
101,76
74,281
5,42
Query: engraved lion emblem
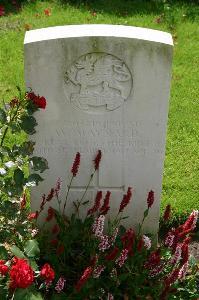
x,y
98,81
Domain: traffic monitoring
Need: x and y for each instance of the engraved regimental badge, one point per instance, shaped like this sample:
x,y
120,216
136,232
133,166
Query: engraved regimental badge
x,y
98,82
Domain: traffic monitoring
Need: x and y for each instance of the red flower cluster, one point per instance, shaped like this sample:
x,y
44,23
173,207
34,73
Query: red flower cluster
x,y
97,160
47,273
86,274
50,195
37,100
96,205
153,260
3,268
51,214
76,163
112,255
128,240
21,274
150,198
126,199
175,235
2,10
105,207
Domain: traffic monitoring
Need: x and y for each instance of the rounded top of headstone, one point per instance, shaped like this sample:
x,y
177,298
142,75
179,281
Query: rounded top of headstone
x,y
101,30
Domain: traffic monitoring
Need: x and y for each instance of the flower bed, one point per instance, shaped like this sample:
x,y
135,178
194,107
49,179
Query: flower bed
x,y
73,258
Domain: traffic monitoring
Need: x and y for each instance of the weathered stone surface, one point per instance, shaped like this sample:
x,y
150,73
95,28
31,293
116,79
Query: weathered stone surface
x,y
107,88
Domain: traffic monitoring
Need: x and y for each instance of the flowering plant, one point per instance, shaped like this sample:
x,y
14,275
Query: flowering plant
x,y
74,258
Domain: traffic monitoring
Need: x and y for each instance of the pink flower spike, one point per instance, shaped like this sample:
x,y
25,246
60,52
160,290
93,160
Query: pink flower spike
x,y
76,163
126,199
150,198
98,226
97,159
105,208
96,205
60,284
122,258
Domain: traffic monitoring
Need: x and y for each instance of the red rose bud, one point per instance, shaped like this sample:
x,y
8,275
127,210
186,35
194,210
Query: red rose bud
x,y
105,208
47,273
96,205
97,160
167,212
21,274
76,163
150,199
3,268
126,199
33,216
51,214
86,274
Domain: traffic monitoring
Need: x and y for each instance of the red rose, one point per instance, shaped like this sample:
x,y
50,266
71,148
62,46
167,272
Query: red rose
x,y
3,268
21,274
37,100
47,273
40,102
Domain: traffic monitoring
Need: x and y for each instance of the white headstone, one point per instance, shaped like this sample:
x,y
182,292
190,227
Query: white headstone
x,y
107,88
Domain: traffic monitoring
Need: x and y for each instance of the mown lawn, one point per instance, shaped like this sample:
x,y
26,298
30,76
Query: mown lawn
x,y
181,173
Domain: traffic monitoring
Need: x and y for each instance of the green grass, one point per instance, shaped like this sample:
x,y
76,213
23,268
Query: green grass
x,y
181,172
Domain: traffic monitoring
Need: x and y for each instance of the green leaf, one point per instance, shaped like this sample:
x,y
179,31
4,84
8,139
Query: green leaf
x,y
3,252
28,124
33,264
39,163
27,294
3,117
61,296
18,176
27,148
31,248
33,179
17,252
